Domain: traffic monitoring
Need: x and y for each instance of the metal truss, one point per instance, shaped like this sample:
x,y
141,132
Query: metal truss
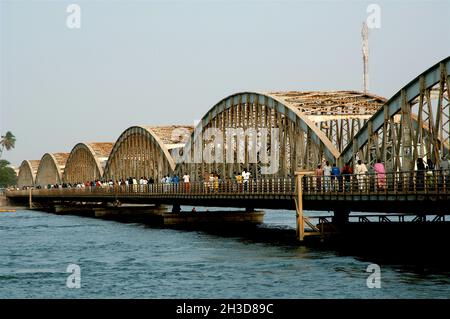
x,y
414,123
143,151
86,162
27,173
51,168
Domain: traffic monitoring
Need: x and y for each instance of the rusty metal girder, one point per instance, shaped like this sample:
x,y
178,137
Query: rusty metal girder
x,y
145,151
51,168
415,122
27,173
314,126
86,162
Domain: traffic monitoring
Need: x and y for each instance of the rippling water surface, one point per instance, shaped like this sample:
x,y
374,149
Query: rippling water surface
x,y
119,260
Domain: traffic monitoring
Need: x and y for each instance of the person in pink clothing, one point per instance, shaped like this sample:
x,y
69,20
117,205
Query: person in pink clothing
x,y
381,174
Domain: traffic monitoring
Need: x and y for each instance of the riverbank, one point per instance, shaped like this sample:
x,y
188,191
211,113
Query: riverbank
x,y
6,206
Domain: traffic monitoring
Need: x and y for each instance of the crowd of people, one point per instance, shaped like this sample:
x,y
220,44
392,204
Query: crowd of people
x,y
332,178
211,182
103,183
327,178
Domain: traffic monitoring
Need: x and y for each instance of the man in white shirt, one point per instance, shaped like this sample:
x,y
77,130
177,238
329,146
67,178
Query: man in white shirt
x,y
245,177
361,171
187,184
327,176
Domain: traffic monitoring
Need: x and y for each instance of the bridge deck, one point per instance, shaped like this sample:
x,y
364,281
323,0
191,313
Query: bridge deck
x,y
396,193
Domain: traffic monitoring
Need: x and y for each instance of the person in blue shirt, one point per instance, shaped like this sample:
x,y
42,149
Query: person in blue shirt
x,y
335,177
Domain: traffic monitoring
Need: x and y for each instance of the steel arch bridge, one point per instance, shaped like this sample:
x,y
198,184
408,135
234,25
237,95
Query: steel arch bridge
x,y
303,129
339,114
275,134
414,123
27,173
144,151
86,162
51,168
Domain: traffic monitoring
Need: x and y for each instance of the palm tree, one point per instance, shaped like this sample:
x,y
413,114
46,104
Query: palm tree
x,y
7,141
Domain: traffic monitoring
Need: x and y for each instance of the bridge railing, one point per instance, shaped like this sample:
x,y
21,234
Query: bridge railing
x,y
435,181
392,182
281,186
256,186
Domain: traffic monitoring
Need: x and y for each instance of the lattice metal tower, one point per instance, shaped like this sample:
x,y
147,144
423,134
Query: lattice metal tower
x,y
365,52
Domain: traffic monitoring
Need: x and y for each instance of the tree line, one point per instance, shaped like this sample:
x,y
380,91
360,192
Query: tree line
x,y
7,175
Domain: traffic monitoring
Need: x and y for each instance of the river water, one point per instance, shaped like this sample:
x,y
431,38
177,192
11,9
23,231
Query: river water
x,y
130,260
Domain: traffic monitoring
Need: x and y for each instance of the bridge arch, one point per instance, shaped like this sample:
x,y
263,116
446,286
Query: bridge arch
x,y
412,124
297,119
145,151
27,173
338,114
51,168
86,162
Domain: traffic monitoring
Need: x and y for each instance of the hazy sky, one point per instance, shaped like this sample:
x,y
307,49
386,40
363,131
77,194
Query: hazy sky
x,y
167,62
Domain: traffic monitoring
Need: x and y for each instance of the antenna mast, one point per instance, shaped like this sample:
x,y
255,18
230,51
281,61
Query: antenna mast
x,y
365,52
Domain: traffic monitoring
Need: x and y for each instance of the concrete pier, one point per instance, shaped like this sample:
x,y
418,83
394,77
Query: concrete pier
x,y
211,218
146,214
71,210
7,206
163,215
3,201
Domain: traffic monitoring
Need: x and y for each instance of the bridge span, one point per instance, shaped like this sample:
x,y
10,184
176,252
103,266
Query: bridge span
x,y
397,193
273,136
404,193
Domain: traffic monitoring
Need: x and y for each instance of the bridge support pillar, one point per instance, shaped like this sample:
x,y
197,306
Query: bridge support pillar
x,y
176,208
299,203
30,199
341,217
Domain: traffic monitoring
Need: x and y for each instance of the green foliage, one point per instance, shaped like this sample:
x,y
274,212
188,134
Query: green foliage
x,y
7,175
7,141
